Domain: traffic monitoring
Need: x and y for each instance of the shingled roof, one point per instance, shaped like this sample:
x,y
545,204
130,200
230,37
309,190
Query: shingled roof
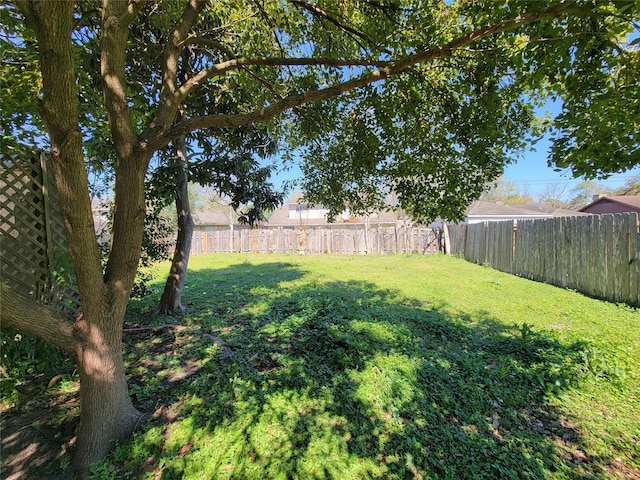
x,y
290,215
627,202
481,210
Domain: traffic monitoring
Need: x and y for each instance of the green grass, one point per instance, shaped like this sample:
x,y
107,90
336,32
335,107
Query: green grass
x,y
380,367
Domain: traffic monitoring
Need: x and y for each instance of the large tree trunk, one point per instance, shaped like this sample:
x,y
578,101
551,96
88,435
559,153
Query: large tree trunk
x,y
107,414
171,299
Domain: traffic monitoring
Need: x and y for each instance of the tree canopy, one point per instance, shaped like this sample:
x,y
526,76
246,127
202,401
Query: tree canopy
x,y
631,186
461,108
424,99
506,191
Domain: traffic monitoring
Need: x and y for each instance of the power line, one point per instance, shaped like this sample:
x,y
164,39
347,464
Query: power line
x,y
571,180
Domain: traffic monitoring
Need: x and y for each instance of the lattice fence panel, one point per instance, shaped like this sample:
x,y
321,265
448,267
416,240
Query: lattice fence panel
x,y
33,252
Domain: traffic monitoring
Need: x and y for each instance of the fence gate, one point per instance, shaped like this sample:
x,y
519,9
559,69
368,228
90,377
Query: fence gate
x,y
34,259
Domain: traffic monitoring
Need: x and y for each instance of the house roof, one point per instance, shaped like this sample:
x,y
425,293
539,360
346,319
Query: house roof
x,y
295,198
500,209
479,210
632,201
211,218
282,217
298,199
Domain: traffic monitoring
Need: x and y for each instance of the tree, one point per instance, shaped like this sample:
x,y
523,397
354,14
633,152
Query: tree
x,y
588,136
231,169
505,191
427,100
553,195
171,298
631,187
582,194
228,165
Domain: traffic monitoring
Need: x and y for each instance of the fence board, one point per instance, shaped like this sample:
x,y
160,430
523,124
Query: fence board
x,y
623,254
378,240
552,258
573,273
634,261
586,259
598,255
609,248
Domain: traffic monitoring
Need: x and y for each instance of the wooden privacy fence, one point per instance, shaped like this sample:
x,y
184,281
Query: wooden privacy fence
x,y
33,253
598,255
315,240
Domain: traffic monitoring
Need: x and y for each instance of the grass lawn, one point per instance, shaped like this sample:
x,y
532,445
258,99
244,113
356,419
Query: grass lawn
x,y
404,367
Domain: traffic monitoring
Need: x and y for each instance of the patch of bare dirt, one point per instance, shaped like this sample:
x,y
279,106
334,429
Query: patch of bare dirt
x,y
618,469
36,437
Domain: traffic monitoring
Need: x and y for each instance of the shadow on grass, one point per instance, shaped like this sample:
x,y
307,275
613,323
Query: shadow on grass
x,y
276,375
344,380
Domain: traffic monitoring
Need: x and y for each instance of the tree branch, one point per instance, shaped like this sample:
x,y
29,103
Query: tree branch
x,y
53,25
24,8
323,14
230,55
154,327
112,66
266,84
270,22
243,62
388,69
28,315
169,101
133,8
131,164
197,40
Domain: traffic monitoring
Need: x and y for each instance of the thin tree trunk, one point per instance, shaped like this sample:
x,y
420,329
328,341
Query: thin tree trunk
x,y
171,300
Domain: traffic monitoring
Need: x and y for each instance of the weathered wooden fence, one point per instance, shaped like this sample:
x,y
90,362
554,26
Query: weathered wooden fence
x,y
33,252
374,240
598,255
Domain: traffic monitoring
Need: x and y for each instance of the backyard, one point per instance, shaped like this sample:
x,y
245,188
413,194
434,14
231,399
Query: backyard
x,y
358,367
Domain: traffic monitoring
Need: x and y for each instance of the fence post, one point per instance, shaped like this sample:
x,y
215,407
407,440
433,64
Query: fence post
x,y
445,239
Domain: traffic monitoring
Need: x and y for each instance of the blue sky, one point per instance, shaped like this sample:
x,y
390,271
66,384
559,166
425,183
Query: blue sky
x,y
531,172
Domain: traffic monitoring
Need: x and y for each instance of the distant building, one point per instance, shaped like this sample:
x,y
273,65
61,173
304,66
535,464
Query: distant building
x,y
482,211
100,210
210,221
297,213
613,204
